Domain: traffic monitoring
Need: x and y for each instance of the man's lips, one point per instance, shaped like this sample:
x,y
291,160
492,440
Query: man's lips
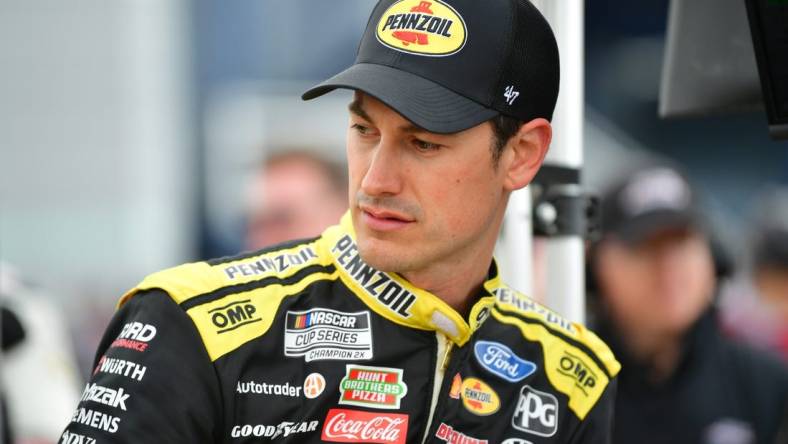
x,y
384,220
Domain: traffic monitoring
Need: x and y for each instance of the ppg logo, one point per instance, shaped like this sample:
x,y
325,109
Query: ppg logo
x,y
232,316
536,412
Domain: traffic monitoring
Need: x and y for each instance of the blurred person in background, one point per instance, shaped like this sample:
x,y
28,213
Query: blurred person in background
x,y
655,283
755,305
39,372
294,194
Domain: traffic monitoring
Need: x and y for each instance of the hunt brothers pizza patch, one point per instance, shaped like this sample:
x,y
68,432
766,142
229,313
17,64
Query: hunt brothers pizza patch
x,y
375,387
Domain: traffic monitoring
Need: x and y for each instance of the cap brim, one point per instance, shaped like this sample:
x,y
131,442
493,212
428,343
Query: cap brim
x,y
644,226
423,102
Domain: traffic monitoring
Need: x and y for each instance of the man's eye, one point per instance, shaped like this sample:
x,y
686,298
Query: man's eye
x,y
426,146
363,130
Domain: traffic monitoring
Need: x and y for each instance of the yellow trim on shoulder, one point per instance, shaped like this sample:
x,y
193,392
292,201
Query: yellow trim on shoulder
x,y
513,300
569,369
230,322
234,319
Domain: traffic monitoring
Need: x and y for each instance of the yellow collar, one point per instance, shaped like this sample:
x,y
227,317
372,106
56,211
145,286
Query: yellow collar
x,y
396,299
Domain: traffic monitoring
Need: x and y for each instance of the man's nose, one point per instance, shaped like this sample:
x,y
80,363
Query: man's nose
x,y
383,176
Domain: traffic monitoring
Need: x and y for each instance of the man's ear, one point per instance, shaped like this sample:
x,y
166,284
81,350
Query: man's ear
x,y
525,153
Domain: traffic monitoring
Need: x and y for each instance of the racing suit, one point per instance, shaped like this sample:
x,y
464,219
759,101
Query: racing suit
x,y
304,342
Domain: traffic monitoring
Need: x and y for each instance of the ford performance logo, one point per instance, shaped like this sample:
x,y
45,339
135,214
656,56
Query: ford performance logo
x,y
499,360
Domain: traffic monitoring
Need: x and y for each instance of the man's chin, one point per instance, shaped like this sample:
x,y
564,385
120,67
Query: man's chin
x,y
381,255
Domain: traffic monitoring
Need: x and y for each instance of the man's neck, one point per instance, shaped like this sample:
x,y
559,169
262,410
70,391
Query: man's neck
x,y
455,283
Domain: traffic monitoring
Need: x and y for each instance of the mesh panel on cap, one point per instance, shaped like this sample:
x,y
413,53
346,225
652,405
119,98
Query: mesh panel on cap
x,y
532,68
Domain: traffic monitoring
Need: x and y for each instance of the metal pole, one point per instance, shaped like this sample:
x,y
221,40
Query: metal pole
x,y
564,255
518,242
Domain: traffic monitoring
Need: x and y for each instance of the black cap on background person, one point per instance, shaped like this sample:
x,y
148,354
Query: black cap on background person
x,y
658,198
500,57
649,200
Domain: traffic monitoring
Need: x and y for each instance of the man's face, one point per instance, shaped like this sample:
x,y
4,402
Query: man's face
x,y
660,285
420,200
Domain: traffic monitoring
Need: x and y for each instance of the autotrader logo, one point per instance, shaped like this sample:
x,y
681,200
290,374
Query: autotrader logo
x,y
536,412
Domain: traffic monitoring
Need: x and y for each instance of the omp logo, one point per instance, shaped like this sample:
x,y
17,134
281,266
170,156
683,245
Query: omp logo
x,y
75,438
234,315
479,398
536,412
430,28
574,367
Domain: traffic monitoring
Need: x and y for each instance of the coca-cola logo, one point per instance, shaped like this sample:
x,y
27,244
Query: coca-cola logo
x,y
343,425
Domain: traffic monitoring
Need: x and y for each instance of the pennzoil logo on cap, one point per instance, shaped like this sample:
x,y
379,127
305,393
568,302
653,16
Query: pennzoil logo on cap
x,y
422,27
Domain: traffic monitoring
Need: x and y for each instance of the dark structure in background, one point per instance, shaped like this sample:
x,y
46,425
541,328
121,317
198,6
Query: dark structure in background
x,y
769,25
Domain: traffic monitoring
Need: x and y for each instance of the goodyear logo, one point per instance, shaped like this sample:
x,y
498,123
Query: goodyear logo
x,y
430,28
478,397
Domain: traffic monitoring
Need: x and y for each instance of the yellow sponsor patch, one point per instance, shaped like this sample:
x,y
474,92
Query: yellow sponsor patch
x,y
570,370
478,397
422,27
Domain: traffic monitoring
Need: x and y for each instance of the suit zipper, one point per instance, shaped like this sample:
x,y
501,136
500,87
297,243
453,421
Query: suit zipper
x,y
443,356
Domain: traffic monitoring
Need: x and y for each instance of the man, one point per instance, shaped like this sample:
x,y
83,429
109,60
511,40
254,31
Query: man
x,y
294,194
755,305
393,326
682,381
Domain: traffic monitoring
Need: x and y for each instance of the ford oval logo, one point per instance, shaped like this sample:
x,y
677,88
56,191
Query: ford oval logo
x,y
501,361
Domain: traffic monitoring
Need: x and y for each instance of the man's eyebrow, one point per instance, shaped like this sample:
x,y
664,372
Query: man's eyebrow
x,y
413,128
356,108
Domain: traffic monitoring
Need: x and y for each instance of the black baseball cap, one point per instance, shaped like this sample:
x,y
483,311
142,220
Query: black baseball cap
x,y
648,201
448,65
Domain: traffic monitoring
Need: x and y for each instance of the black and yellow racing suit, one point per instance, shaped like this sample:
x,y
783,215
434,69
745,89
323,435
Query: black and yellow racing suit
x,y
304,342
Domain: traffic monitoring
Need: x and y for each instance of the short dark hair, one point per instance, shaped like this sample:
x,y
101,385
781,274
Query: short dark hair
x,y
504,127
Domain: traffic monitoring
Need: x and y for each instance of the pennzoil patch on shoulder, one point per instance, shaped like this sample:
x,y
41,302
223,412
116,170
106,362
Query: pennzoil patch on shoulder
x,y
421,27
